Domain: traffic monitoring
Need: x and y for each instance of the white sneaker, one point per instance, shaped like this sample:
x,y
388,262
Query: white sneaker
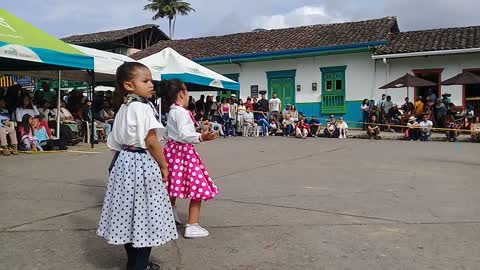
x,y
175,215
195,231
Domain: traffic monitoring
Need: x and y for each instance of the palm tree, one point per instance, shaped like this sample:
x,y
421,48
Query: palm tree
x,y
169,9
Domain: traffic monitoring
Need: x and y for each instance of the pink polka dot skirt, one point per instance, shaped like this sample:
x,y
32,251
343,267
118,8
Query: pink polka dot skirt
x,y
188,177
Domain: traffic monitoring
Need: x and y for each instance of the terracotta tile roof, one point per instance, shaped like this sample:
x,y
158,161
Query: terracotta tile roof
x,y
109,36
314,36
433,40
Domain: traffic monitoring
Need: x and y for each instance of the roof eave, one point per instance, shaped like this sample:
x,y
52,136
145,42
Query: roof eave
x,y
288,53
426,53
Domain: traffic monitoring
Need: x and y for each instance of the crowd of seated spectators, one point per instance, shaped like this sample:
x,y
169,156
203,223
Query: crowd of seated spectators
x,y
417,120
28,121
260,117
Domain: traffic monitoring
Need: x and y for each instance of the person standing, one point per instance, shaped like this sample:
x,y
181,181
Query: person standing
x,y
188,177
49,95
275,105
136,211
263,102
208,107
440,113
234,111
241,111
215,111
365,107
419,106
387,105
408,107
380,102
200,104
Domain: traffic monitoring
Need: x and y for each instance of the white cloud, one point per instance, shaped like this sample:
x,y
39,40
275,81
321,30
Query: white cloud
x,y
214,17
305,15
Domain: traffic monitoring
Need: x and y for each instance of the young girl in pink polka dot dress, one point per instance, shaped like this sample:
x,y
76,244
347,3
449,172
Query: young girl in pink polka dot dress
x,y
188,177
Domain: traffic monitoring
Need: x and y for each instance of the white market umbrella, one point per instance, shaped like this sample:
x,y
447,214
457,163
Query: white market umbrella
x,y
169,64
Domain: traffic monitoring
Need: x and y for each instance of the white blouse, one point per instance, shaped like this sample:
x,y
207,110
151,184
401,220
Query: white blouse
x,y
20,112
132,124
180,126
64,113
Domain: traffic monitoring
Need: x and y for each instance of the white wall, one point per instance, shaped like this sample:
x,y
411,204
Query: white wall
x,y
452,65
359,74
362,77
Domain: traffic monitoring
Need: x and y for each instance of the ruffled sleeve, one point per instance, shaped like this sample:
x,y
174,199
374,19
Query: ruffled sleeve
x,y
183,127
146,120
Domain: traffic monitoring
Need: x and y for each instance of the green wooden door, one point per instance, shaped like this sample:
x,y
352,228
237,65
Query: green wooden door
x,y
228,93
288,91
285,89
333,90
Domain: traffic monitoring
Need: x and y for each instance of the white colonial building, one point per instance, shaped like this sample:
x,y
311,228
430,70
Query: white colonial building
x,y
330,69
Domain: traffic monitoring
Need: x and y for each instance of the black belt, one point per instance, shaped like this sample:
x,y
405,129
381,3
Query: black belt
x,y
133,149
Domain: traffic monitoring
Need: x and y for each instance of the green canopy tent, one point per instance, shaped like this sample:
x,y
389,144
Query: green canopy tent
x,y
25,47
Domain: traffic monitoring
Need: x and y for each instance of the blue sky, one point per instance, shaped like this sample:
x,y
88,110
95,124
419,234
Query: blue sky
x,y
215,17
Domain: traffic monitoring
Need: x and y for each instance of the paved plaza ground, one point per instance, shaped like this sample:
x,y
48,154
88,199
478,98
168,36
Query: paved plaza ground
x,y
285,204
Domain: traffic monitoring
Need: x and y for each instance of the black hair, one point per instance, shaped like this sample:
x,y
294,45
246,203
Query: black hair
x,y
20,101
125,72
25,124
169,90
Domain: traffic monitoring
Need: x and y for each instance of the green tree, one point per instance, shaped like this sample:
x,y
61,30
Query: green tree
x,y
169,9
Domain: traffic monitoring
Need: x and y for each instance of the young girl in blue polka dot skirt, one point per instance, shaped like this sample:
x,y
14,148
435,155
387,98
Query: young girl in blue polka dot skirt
x,y
188,176
137,212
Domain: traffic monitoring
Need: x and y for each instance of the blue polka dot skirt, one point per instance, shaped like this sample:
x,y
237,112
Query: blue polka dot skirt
x,y
136,207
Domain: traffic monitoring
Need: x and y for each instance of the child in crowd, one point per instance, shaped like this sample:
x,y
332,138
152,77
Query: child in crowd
x,y
188,176
274,125
301,131
342,128
45,141
413,130
28,140
136,212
